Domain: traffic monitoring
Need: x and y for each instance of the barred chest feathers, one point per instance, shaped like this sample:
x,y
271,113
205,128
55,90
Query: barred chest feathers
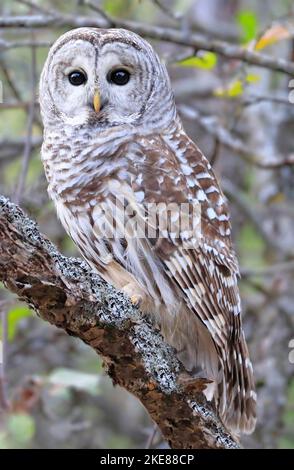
x,y
86,187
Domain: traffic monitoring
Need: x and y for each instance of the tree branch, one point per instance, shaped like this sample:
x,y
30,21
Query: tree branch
x,y
10,149
29,144
64,292
212,126
196,41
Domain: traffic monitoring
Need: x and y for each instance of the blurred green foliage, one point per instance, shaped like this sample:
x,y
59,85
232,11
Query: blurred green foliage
x,y
14,317
251,247
206,61
249,24
20,430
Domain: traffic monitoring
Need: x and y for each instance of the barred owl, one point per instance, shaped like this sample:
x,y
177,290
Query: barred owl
x,y
113,141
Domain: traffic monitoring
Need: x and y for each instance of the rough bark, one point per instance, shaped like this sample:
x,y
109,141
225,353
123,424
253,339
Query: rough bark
x,y
64,292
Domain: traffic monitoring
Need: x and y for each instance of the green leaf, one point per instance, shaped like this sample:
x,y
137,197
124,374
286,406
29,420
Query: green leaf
x,y
73,378
21,427
206,61
252,78
236,89
14,317
248,22
232,90
119,8
251,247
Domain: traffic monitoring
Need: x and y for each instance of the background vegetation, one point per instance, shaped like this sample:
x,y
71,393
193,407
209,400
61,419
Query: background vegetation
x,y
53,390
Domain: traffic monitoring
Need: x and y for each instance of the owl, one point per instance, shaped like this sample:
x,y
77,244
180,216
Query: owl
x,y
143,206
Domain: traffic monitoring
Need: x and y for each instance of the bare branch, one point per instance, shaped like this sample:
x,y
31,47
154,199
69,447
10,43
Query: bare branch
x,y
256,217
211,125
64,292
272,270
196,41
16,104
10,81
166,10
13,148
189,87
35,6
28,145
254,99
100,11
5,45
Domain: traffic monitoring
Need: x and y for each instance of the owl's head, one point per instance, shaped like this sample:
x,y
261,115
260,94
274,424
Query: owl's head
x,y
104,77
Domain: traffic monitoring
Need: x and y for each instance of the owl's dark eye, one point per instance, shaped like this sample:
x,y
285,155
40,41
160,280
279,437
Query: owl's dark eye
x,y
77,78
119,76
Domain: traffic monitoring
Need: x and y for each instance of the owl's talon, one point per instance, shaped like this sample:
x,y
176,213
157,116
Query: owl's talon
x,y
136,297
136,300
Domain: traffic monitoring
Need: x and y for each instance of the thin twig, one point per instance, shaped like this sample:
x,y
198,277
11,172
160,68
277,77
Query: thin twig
x,y
9,147
151,437
5,45
272,270
251,213
166,10
228,32
16,104
251,100
10,81
189,87
100,11
35,6
28,146
215,129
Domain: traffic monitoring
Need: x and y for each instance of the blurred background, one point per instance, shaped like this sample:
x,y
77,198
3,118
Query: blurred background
x,y
53,391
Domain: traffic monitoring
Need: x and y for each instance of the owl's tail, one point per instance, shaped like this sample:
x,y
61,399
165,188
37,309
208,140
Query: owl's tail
x,y
230,370
236,390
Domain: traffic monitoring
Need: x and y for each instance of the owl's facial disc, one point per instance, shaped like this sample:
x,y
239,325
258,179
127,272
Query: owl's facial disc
x,y
100,79
68,83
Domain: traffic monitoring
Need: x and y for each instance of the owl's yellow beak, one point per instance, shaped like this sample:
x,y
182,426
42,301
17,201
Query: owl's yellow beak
x,y
97,101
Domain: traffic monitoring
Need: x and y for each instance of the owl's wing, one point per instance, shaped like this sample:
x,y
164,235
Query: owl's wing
x,y
206,273
207,270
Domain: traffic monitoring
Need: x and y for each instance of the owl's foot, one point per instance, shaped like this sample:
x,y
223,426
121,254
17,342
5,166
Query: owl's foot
x,y
137,296
136,300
